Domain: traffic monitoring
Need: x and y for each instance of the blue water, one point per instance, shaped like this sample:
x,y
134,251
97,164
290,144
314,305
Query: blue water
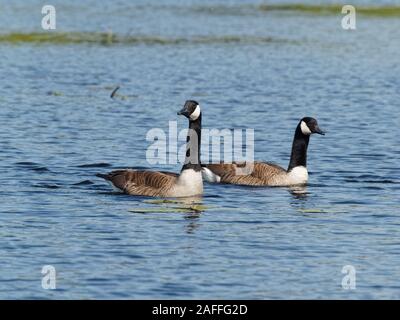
x,y
58,127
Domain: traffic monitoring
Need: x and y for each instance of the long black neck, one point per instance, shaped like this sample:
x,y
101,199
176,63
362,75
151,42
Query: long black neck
x,y
299,149
193,140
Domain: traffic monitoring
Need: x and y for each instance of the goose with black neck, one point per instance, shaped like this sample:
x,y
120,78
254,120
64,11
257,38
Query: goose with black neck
x,y
265,173
167,184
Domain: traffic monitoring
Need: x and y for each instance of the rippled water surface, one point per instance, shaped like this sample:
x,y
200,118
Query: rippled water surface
x,y
249,68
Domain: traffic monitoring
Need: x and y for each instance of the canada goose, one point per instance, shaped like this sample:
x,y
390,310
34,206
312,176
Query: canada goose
x,y
268,174
166,184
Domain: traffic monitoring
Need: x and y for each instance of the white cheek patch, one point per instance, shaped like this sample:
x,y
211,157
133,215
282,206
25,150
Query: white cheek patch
x,y
305,129
195,114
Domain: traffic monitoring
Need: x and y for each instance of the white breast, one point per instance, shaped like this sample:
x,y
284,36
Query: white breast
x,y
190,183
298,175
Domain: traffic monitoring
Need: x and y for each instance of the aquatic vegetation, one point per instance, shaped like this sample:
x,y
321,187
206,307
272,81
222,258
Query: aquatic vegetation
x,y
184,205
312,210
55,93
99,38
177,209
329,9
162,201
297,8
324,210
58,37
114,92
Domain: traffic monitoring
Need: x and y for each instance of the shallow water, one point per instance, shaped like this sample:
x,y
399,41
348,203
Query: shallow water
x,y
249,68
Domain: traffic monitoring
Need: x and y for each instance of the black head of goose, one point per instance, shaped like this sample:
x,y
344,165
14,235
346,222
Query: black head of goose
x,y
269,174
167,184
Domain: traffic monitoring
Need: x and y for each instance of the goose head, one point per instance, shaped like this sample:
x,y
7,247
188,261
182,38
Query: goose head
x,y
310,126
191,110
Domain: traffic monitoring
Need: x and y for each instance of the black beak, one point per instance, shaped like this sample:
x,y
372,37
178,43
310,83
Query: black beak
x,y
183,112
319,131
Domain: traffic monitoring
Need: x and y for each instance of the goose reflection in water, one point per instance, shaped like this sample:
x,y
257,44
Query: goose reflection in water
x,y
194,206
299,192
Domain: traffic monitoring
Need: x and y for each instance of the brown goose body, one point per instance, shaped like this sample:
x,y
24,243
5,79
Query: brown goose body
x,y
155,184
258,173
167,184
268,174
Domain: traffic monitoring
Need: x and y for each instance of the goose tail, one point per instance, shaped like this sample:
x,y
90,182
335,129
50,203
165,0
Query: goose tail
x,y
104,176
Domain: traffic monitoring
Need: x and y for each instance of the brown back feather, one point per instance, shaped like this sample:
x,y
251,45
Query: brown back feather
x,y
262,173
139,182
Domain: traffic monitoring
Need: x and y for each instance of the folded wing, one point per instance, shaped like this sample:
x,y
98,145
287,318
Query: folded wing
x,y
247,173
139,182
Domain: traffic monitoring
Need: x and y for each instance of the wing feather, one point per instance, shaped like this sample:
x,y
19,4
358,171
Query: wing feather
x,y
261,173
140,182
